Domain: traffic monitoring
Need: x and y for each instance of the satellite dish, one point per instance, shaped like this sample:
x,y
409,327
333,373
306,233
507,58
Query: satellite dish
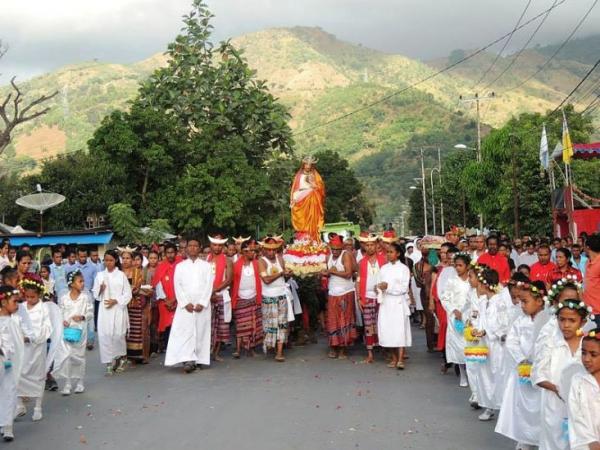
x,y
40,202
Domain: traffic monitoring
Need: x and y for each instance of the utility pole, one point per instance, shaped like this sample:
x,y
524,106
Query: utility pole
x,y
426,228
477,99
441,191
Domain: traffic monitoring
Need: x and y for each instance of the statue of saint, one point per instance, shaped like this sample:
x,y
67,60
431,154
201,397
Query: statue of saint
x,y
307,200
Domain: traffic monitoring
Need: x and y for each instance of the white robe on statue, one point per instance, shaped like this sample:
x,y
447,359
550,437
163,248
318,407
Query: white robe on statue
x,y
453,299
11,343
393,322
519,417
113,323
190,333
69,362
549,363
584,411
33,371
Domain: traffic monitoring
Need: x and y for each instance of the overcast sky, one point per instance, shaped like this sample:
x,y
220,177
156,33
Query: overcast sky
x,y
45,34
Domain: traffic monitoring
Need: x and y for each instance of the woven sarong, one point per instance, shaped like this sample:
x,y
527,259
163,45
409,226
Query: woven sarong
x,y
341,320
275,321
219,331
370,311
248,323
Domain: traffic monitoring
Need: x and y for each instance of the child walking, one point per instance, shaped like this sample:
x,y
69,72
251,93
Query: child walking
x,y
11,354
33,373
519,417
557,354
584,397
77,311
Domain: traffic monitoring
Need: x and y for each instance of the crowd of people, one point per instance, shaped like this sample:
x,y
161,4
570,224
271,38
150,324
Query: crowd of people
x,y
517,320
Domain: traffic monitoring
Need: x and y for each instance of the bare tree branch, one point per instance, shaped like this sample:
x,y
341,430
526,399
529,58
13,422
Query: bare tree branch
x,y
19,115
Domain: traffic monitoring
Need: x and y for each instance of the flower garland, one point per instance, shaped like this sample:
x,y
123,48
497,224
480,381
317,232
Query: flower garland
x,y
71,276
559,285
592,334
33,281
8,295
574,305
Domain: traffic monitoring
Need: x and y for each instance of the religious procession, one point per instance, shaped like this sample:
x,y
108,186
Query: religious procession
x,y
515,320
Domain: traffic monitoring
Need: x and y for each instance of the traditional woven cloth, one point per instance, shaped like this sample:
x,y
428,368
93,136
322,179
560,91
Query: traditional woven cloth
x,y
275,320
341,320
369,311
248,322
219,328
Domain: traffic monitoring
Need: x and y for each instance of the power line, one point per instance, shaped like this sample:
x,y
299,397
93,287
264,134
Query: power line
x,y
518,55
427,78
503,47
592,105
591,91
577,87
566,41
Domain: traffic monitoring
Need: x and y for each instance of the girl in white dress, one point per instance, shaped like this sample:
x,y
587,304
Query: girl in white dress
x,y
33,372
455,301
76,312
113,291
560,354
584,397
393,322
480,352
11,355
520,413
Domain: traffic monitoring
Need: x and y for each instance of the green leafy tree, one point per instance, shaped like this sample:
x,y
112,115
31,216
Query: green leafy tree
x,y
124,222
513,152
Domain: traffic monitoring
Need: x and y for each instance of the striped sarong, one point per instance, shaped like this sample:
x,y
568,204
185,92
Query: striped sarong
x,y
370,312
219,330
275,321
138,336
248,322
341,320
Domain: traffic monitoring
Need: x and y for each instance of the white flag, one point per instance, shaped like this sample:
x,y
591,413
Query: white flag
x,y
544,149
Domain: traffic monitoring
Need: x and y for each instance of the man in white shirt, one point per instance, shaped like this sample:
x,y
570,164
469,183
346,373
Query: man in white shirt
x,y
528,257
189,342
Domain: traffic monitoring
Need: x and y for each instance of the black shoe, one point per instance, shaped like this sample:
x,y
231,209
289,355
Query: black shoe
x,y
189,367
51,385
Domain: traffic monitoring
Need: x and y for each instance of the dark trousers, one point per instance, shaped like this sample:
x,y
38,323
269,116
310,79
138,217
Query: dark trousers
x,y
96,310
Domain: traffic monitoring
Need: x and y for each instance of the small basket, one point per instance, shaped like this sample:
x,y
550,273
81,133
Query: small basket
x,y
72,335
459,326
477,354
524,371
7,365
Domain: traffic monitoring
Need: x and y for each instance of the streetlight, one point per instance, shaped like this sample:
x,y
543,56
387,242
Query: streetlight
x,y
478,150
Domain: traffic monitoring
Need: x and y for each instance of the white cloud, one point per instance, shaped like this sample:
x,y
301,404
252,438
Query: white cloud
x,y
45,34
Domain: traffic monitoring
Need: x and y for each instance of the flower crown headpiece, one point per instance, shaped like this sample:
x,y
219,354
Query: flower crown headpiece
x,y
494,287
559,285
532,288
575,305
464,254
5,295
33,281
71,276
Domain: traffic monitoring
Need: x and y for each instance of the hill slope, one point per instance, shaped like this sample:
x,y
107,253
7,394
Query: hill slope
x,y
320,77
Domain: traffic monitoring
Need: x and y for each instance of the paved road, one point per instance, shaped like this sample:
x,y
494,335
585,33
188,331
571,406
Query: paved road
x,y
308,402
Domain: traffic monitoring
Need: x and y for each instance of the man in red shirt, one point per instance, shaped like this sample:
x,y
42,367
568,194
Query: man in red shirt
x,y
495,260
541,270
591,282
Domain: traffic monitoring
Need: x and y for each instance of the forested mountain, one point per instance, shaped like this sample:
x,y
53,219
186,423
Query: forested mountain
x,y
319,77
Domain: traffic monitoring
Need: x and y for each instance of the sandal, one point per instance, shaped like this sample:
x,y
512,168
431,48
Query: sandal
x,y
236,355
342,356
400,365
392,365
332,355
280,358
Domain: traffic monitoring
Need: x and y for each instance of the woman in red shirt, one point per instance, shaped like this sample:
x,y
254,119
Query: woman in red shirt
x,y
563,267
